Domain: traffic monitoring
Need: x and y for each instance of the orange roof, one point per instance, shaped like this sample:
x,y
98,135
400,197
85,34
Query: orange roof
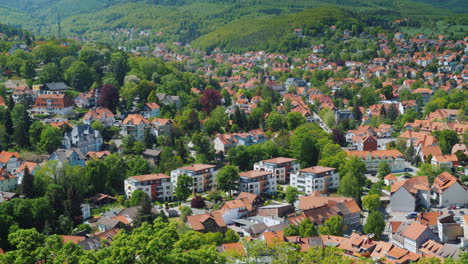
x,y
428,218
444,181
98,154
394,225
307,202
390,177
73,239
279,160
197,167
5,156
352,206
196,221
254,173
1,249
151,177
30,165
272,238
317,169
135,119
415,230
98,113
431,150
5,175
153,105
236,248
122,219
397,252
376,153
413,185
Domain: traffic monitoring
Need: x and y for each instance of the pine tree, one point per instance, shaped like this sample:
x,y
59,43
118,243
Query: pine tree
x,y
27,185
144,212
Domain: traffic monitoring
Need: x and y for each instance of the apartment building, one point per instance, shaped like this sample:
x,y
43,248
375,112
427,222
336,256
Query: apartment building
x,y
318,178
203,176
280,167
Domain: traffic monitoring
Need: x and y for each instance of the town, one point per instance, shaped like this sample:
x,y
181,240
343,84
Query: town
x,y
365,157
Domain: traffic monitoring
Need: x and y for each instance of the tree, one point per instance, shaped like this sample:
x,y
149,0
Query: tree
x,y
447,139
210,99
27,185
303,146
349,187
51,139
145,214
35,131
371,202
291,230
197,202
429,170
231,236
375,224
332,227
291,194
294,119
50,73
307,229
109,97
383,170
21,123
79,76
183,187
184,212
119,66
274,122
227,179
7,122
136,198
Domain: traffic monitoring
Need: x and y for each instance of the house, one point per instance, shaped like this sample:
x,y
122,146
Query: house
x,y
252,201
97,154
344,114
390,179
54,88
432,249
203,176
318,178
99,240
157,186
443,115
358,245
162,126
429,219
258,182
99,113
168,99
445,161
223,142
207,223
149,110
295,82
427,152
459,147
449,230
319,208
426,94
275,210
8,181
11,161
372,159
412,236
281,167
384,131
365,143
7,196
85,100
380,251
52,104
32,167
134,125
406,195
398,255
84,138
234,209
85,211
152,156
73,156
105,223
449,190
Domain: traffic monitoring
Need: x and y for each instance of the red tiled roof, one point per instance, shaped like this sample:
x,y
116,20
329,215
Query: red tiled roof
x,y
151,177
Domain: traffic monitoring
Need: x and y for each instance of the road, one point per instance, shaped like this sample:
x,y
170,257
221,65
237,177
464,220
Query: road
x,y
321,123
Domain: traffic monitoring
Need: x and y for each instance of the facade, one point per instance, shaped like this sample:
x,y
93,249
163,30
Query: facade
x,y
372,159
203,176
150,110
258,182
223,142
134,125
11,161
448,190
73,156
316,178
8,181
280,167
209,222
100,113
162,126
83,137
365,143
53,104
157,186
406,195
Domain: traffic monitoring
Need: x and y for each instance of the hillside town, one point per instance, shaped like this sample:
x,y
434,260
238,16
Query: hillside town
x,y
368,156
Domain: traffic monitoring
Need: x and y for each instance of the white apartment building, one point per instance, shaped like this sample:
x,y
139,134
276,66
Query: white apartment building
x,y
203,176
316,178
280,167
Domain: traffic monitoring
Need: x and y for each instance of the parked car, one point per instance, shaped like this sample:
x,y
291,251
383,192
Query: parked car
x,y
453,207
411,215
462,212
451,212
458,206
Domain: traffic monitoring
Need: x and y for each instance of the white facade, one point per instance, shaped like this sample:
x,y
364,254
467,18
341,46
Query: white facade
x,y
281,171
258,182
204,177
85,211
157,188
309,181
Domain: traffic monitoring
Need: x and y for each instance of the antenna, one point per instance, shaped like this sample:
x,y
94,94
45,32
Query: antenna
x,y
59,26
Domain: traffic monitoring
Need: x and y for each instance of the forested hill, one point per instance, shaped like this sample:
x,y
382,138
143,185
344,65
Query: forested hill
x,y
199,21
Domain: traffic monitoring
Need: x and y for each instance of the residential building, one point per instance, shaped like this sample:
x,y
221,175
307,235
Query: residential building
x,y
280,167
372,159
166,99
11,161
54,88
8,182
449,230
53,104
84,138
210,222
276,210
318,178
223,142
258,182
445,161
432,249
412,236
449,190
157,186
99,113
203,176
134,125
85,211
162,126
149,110
406,195
365,143
32,167
73,156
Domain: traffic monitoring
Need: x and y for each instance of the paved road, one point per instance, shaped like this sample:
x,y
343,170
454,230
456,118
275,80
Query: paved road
x,y
321,123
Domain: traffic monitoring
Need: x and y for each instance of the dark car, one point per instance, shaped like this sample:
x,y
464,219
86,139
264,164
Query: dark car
x,y
451,212
462,212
